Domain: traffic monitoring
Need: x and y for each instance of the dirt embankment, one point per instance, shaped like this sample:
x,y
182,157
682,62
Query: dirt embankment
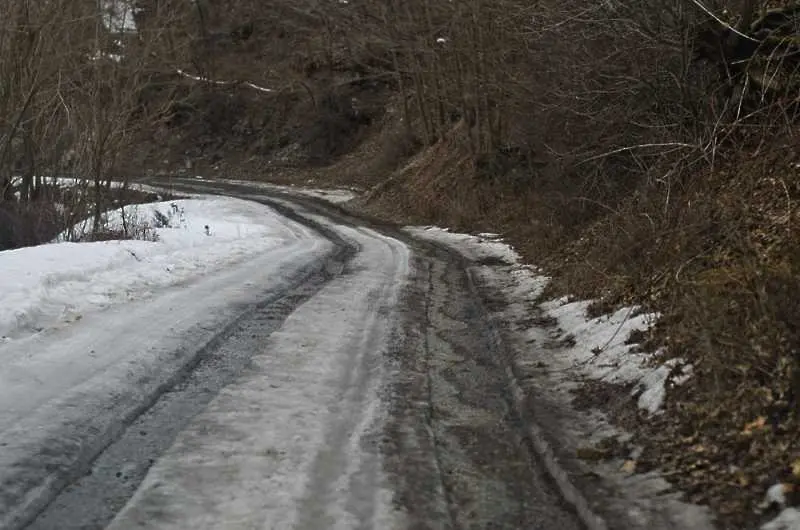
x,y
718,257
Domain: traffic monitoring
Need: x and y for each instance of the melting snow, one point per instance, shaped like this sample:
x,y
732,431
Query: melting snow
x,y
593,348
57,283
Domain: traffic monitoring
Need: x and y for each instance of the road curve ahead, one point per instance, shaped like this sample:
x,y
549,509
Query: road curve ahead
x,y
368,396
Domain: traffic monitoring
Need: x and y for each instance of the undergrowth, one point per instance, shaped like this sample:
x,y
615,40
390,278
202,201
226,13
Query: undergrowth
x,y
714,251
65,213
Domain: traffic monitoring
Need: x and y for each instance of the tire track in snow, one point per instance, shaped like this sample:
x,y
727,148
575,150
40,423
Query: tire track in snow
x,y
293,443
32,478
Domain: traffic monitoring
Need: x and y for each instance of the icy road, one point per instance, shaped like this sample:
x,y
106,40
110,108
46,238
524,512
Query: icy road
x,y
317,373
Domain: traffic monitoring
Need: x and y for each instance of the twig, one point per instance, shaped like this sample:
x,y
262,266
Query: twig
x,y
722,22
225,83
627,316
640,146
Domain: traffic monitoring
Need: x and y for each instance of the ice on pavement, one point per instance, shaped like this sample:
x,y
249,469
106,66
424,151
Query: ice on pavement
x,y
589,347
332,195
55,284
284,447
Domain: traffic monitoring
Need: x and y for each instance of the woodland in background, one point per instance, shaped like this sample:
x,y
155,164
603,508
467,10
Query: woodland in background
x,y
571,97
642,151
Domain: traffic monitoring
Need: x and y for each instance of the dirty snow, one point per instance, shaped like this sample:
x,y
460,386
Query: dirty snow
x,y
52,285
592,348
95,330
563,349
332,195
284,447
789,519
596,348
481,247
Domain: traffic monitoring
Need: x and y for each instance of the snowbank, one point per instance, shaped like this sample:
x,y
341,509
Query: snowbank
x,y
51,285
789,519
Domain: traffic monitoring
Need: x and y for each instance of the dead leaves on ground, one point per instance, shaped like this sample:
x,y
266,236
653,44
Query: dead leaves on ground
x,y
755,426
796,468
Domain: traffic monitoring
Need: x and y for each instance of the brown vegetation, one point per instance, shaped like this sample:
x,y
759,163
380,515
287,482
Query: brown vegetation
x,y
643,168
642,151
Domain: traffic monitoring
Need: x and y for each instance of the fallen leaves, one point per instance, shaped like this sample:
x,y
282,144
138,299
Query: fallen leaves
x,y
754,426
593,454
629,467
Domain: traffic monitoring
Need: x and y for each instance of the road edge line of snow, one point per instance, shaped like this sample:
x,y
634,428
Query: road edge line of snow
x,y
570,493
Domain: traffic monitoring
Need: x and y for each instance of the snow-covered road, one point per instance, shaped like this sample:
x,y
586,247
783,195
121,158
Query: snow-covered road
x,y
329,375
67,390
290,434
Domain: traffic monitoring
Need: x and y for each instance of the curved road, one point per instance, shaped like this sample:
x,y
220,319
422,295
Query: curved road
x,y
362,390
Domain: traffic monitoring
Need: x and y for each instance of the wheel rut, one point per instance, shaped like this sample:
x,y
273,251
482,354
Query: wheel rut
x,y
98,492
456,453
468,465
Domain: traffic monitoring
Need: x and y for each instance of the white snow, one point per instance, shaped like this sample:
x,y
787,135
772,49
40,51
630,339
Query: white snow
x,y
52,285
223,83
776,494
596,348
118,16
68,182
99,55
588,348
789,519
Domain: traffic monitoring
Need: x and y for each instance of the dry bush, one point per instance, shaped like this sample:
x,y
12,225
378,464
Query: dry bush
x,y
729,299
22,226
71,80
640,170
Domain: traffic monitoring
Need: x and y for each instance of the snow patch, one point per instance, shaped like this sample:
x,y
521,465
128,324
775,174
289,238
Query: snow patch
x,y
69,182
481,247
118,16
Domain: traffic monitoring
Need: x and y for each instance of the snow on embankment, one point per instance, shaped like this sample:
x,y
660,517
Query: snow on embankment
x,y
556,347
50,285
594,348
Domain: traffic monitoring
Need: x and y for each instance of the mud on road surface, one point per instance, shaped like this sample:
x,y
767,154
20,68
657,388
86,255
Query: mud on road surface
x,y
455,446
417,430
